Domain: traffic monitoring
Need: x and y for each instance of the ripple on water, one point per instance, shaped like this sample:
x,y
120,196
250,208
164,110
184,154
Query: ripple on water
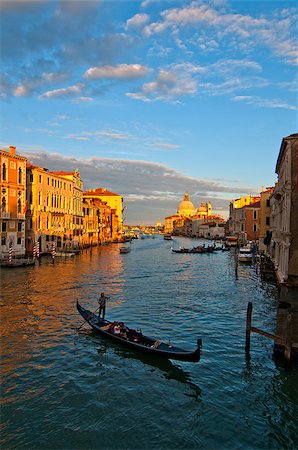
x,y
65,388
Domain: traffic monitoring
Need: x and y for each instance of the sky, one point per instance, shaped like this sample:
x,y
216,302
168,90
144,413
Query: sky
x,y
151,99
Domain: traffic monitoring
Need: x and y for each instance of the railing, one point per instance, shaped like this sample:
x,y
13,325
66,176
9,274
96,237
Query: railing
x,y
5,215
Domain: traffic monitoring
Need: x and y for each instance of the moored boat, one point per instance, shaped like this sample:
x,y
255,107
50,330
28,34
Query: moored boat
x,y
167,237
136,340
124,249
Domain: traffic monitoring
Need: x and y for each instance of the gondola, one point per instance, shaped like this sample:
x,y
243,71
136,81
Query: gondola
x,y
136,340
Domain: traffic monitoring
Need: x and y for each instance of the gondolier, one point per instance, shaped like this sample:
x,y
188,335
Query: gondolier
x,y
137,340
102,306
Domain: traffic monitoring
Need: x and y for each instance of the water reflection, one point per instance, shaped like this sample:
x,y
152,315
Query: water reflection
x,y
52,371
170,370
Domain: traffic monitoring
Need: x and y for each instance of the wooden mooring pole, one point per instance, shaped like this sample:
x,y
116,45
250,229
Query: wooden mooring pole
x,y
286,342
248,327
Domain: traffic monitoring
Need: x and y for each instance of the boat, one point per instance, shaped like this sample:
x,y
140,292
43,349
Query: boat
x,y
136,340
18,262
198,249
65,254
167,237
245,254
124,249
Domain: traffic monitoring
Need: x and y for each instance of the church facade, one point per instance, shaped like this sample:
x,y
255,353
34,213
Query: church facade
x,y
188,219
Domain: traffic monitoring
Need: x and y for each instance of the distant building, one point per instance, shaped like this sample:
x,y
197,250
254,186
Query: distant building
x,y
186,207
13,203
188,219
265,225
114,224
284,213
244,218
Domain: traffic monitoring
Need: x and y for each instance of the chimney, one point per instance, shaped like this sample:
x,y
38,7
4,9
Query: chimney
x,y
12,150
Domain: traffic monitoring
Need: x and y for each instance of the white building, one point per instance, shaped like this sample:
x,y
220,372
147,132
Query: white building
x,y
284,213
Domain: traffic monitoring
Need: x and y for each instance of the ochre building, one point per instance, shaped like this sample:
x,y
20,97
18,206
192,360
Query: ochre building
x,y
13,203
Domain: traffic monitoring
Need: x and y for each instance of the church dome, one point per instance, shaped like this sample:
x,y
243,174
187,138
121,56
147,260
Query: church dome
x,y
186,207
203,207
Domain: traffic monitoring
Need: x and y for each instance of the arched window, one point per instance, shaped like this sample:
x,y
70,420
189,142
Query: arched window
x,y
4,172
3,204
20,175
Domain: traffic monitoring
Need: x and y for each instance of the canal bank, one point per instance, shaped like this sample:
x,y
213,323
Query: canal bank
x,y
64,388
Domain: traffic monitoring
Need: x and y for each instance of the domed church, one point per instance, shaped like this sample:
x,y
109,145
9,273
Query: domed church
x,y
186,207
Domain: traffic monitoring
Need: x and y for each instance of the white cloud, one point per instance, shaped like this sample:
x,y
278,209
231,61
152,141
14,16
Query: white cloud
x,y
121,71
63,92
169,84
278,34
21,91
264,103
133,179
82,99
137,21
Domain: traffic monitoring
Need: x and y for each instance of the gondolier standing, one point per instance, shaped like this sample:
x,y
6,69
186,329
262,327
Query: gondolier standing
x,y
102,306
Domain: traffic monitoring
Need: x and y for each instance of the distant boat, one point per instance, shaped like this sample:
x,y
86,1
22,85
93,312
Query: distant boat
x,y
66,253
18,262
124,249
167,236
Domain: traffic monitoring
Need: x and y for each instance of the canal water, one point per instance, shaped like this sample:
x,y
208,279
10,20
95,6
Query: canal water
x,y
64,388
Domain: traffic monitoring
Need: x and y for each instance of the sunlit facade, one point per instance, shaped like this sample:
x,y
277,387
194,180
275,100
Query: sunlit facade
x,y
54,210
13,203
111,221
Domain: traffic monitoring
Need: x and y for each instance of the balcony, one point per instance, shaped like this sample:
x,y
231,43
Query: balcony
x,y
21,216
5,215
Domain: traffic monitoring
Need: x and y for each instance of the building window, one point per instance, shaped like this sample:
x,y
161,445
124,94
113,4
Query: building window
x,y
267,220
48,181
255,227
3,241
19,241
19,206
40,178
4,226
31,178
19,226
268,203
39,198
4,172
20,175
30,198
3,204
255,215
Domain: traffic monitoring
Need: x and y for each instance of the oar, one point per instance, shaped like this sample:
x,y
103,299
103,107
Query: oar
x,y
85,320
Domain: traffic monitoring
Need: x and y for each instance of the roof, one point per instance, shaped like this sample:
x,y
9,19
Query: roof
x,y
100,192
291,137
253,205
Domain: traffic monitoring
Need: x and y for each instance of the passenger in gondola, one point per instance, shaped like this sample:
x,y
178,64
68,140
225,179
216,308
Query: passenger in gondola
x,y
117,329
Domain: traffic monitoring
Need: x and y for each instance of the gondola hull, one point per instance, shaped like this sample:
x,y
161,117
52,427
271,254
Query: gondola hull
x,y
146,344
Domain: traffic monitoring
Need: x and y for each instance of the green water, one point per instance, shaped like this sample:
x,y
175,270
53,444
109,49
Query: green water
x,y
69,389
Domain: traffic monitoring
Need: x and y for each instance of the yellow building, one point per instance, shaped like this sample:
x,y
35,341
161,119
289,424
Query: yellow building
x,y
265,216
13,203
91,224
114,201
186,207
54,214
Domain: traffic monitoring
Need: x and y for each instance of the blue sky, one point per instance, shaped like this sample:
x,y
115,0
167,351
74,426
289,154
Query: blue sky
x,y
151,99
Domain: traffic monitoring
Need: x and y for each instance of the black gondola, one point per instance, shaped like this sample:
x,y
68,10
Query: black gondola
x,y
136,340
